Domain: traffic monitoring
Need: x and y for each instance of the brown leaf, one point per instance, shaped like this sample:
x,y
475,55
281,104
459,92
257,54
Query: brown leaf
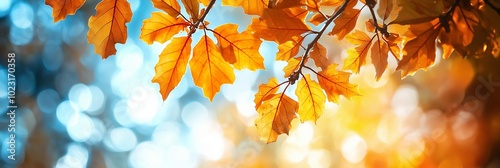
x,y
379,57
318,54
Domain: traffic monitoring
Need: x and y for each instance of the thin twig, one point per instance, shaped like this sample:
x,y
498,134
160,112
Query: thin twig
x,y
202,18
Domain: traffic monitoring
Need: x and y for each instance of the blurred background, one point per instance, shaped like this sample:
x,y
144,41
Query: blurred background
x,y
77,110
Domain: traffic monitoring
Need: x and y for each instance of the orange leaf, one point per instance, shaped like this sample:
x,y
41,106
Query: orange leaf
x,y
356,57
292,65
161,27
311,99
392,41
369,25
208,68
266,91
251,7
379,57
241,50
420,52
280,25
418,11
331,2
107,27
62,8
172,65
336,83
192,8
275,116
172,7
289,49
289,4
386,9
318,54
317,19
345,23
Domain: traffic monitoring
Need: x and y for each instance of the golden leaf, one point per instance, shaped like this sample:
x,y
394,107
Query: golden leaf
x,y
275,116
311,99
161,27
336,83
62,8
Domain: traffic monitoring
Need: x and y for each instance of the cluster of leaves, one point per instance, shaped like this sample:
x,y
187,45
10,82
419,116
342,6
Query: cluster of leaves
x,y
458,25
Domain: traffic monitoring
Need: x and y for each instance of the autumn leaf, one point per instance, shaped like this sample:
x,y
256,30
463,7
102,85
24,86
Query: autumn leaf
x,y
392,41
275,116
345,23
311,99
420,52
161,27
356,57
280,25
192,8
369,26
208,68
62,8
387,9
239,49
418,11
172,64
379,57
172,7
266,91
205,2
252,7
317,19
107,27
289,49
336,83
292,65
289,4
318,54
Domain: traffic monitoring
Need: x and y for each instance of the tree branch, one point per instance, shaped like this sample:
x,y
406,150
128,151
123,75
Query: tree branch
x,y
341,9
202,18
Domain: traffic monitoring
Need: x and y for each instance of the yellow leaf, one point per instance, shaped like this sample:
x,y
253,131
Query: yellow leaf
x,y
107,27
266,91
379,57
172,7
62,8
251,7
161,27
318,54
292,65
317,19
172,65
239,49
289,49
208,68
280,25
345,23
336,83
205,2
331,2
420,52
275,116
356,57
192,8
311,99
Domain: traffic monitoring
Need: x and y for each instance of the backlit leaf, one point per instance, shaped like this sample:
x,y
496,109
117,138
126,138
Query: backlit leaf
x,y
192,8
172,7
293,64
420,52
279,25
317,19
161,27
172,65
311,99
336,83
107,27
239,49
379,57
318,54
208,68
356,57
289,49
251,7
345,23
418,11
275,116
62,8
266,91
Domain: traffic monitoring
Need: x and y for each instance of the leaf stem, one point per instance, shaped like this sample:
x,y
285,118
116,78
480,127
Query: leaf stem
x,y
202,18
318,36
